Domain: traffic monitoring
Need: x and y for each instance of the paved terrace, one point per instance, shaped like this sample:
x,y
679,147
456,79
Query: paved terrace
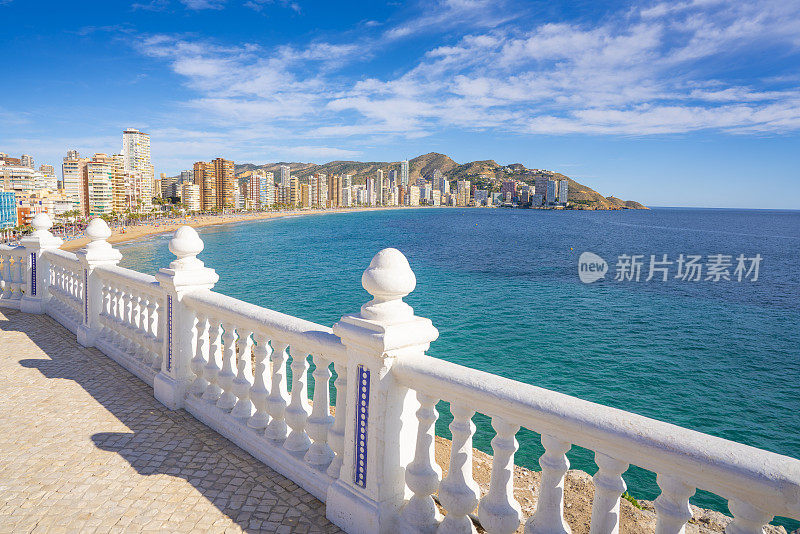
x,y
85,447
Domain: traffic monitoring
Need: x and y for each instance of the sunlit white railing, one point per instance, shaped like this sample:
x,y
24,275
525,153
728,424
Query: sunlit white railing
x,y
12,274
243,370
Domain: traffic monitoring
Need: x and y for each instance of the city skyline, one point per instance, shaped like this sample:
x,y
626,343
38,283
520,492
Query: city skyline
x,y
642,101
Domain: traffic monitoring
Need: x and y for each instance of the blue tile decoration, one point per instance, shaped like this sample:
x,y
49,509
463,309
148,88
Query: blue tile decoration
x,y
362,415
85,296
169,333
33,274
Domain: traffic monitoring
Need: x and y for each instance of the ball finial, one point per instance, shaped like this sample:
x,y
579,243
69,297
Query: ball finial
x,y
186,245
98,230
388,279
41,222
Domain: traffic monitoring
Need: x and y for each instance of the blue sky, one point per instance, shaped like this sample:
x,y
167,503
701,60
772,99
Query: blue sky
x,y
691,103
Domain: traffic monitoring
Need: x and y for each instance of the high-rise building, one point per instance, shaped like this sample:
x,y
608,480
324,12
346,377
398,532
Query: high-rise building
x,y
370,192
294,191
335,191
254,188
268,192
226,183
27,161
404,173
552,192
98,185
205,178
563,186
463,192
379,187
190,196
319,190
541,186
412,199
72,170
305,195
393,180
136,161
8,210
286,174
509,187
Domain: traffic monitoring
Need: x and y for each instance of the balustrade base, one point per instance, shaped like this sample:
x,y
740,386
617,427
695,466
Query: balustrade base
x,y
31,305
356,514
9,303
170,392
291,465
141,369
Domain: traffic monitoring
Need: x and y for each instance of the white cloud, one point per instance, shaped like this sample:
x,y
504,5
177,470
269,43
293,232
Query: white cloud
x,y
204,4
669,68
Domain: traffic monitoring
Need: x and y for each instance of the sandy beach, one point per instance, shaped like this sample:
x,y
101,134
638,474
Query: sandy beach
x,y
131,233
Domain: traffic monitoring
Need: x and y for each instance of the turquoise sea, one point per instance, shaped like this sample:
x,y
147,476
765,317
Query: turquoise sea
x,y
502,287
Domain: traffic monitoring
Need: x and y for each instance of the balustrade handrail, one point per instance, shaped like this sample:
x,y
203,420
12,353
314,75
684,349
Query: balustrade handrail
x,y
309,337
13,249
144,282
61,257
727,468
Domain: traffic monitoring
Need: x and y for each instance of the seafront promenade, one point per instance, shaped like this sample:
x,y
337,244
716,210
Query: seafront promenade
x,y
202,366
86,448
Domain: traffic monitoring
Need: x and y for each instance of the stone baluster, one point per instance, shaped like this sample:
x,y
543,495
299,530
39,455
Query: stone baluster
x,y
423,473
116,317
747,518
672,506
97,253
244,377
549,515
458,492
153,331
35,279
140,328
259,393
6,258
213,391
499,511
336,431
186,274
127,320
200,359
371,489
608,487
227,400
320,453
276,429
297,411
104,310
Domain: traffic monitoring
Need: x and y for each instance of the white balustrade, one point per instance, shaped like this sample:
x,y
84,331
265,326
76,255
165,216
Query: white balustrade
x,y
319,423
298,409
608,488
672,506
498,510
244,377
225,362
259,392
336,431
459,492
276,429
423,473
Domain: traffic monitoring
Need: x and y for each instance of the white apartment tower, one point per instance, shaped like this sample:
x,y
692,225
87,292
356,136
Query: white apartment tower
x,y
285,176
136,159
404,173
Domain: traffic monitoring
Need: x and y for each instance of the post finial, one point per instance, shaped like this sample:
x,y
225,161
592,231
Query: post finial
x,y
41,223
388,279
98,248
186,245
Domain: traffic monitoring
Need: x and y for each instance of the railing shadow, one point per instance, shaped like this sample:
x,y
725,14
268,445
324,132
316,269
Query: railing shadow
x,y
172,443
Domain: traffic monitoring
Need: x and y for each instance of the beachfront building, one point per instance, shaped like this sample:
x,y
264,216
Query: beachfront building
x,y
335,188
226,183
370,188
98,185
412,199
508,190
463,192
8,210
318,184
190,196
268,195
286,174
305,196
481,197
253,189
563,192
294,191
551,195
137,164
404,173
205,178
379,188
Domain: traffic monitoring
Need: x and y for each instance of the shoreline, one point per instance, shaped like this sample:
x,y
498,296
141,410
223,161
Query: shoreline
x,y
133,233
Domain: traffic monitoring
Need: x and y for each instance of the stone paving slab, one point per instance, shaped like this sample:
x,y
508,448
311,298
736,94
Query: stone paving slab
x,y
84,447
